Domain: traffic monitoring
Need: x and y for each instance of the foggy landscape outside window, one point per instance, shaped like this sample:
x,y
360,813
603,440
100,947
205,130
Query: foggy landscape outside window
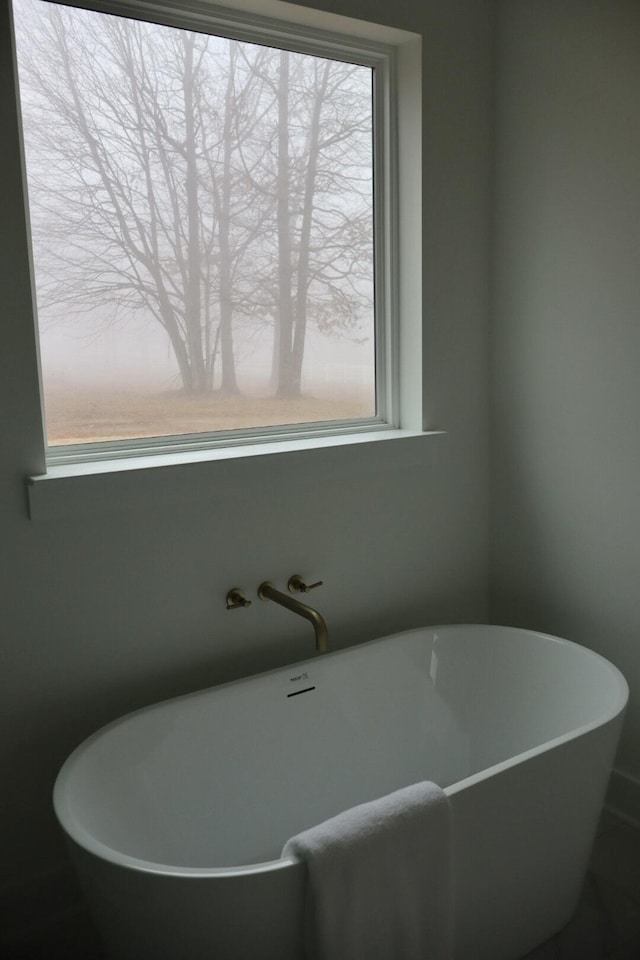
x,y
202,228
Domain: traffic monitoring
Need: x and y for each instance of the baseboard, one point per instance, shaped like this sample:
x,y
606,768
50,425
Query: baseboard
x,y
623,797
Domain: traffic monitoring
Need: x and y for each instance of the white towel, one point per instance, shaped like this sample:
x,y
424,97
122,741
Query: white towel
x,y
380,879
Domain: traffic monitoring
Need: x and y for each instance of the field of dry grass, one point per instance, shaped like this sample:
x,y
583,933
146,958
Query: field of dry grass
x,y
86,416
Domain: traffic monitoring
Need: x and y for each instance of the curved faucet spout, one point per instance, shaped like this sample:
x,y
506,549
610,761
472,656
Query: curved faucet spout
x,y
267,591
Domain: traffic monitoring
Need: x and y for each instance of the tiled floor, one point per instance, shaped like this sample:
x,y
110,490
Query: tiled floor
x,y
606,923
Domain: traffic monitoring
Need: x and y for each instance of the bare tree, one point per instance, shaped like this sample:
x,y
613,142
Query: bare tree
x,y
212,185
321,269
320,184
335,223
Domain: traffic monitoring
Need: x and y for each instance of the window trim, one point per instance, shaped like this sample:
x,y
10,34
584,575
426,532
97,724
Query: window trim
x,y
378,56
401,250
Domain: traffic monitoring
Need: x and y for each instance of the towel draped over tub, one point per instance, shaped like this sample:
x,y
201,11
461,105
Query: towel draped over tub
x,y
380,879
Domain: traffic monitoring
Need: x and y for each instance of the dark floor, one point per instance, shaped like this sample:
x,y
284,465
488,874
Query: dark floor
x,y
606,923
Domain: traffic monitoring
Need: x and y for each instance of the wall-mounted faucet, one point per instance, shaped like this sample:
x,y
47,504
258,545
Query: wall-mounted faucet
x,y
267,591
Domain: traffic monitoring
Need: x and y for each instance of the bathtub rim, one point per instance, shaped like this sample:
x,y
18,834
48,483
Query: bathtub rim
x,y
85,840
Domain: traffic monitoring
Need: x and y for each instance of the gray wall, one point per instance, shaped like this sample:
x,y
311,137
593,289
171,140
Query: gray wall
x,y
101,612
566,332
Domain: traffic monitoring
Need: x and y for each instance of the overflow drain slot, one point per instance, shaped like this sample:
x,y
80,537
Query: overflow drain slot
x,y
296,693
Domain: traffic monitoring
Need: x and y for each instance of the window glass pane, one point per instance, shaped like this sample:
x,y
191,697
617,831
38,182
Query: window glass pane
x,y
202,226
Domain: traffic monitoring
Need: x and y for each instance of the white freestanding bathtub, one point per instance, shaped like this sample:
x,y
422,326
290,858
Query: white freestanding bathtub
x,y
177,813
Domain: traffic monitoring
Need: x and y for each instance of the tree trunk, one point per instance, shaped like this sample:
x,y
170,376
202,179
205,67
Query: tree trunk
x,y
302,278
229,382
284,319
192,301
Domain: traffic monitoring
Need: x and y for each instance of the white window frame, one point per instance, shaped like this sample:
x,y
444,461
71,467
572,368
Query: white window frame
x,y
395,56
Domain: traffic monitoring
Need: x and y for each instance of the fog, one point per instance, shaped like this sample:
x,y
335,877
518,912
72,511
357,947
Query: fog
x,y
136,355
211,189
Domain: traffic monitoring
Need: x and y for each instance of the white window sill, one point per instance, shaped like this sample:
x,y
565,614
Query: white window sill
x,y
135,482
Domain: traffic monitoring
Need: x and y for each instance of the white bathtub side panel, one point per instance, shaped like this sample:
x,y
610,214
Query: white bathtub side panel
x,y
146,916
522,841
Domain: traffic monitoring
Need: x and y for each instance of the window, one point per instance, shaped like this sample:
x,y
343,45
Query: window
x,y
211,209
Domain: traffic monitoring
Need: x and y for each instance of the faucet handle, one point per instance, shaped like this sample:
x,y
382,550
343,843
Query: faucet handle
x,y
236,599
297,585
